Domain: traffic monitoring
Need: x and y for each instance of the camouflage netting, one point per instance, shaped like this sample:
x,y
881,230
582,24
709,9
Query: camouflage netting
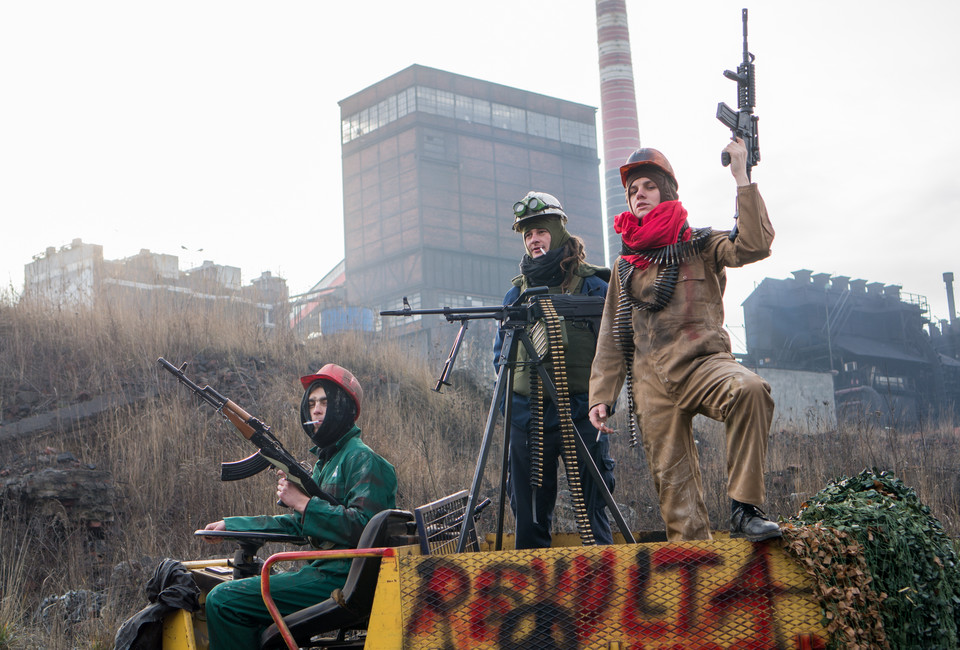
x,y
871,545
842,584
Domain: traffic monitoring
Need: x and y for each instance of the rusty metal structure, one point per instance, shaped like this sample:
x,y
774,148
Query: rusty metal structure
x,y
889,361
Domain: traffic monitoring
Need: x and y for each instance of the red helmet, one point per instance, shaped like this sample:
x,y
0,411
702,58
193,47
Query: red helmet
x,y
341,377
646,156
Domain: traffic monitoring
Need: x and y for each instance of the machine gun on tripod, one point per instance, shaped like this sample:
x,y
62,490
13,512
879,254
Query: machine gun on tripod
x,y
533,305
519,314
513,313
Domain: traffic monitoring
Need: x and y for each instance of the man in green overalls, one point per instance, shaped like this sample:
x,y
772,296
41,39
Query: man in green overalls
x,y
355,475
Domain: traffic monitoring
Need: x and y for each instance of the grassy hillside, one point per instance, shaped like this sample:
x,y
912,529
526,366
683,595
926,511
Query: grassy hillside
x,y
160,451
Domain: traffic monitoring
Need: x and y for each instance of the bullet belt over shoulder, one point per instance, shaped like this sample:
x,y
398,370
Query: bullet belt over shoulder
x,y
668,258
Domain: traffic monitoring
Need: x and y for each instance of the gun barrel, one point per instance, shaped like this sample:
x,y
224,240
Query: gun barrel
x,y
216,400
478,312
178,373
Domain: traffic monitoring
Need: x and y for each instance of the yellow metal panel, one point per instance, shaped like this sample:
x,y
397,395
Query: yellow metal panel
x,y
709,595
383,632
178,631
200,564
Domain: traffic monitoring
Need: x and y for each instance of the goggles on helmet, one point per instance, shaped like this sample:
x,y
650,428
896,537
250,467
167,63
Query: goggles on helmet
x,y
529,205
535,205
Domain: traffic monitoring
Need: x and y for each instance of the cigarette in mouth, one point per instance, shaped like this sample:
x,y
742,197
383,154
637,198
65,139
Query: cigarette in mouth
x,y
306,424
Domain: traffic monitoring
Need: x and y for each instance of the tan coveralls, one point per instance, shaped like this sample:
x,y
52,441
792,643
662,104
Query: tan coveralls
x,y
683,366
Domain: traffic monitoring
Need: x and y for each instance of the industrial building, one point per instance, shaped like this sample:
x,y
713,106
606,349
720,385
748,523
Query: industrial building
x,y
890,365
323,310
78,275
432,165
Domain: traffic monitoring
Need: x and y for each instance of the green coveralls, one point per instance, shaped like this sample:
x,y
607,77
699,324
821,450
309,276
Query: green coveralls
x,y
355,475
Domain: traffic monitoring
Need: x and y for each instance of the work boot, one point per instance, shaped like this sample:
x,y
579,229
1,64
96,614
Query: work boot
x,y
747,521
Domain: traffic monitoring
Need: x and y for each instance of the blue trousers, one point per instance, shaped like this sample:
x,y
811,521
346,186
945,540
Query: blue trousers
x,y
533,531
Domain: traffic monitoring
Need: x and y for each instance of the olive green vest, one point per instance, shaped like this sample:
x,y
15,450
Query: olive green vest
x,y
579,342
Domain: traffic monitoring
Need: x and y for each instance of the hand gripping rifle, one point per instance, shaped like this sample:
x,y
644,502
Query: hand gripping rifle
x,y
742,122
271,451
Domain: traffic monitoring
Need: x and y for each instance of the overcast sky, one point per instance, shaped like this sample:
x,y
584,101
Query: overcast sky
x,y
211,130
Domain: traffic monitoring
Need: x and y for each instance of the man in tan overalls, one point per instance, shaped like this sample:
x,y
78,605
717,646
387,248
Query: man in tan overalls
x,y
662,333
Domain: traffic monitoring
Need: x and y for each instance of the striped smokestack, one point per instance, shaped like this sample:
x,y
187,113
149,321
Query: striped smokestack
x,y
618,104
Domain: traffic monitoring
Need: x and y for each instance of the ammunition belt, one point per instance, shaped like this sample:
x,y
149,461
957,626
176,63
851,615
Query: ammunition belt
x,y
669,259
549,338
678,252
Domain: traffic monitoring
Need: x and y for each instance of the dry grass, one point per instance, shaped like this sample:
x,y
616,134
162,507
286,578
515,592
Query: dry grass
x,y
162,450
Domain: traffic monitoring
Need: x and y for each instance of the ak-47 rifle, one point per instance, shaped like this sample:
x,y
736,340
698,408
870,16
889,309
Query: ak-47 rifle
x,y
271,452
742,122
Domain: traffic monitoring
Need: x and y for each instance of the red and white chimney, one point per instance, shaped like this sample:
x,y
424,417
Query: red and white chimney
x,y
618,106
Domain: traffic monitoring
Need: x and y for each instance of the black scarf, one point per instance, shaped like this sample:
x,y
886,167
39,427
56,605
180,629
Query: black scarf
x,y
339,418
544,271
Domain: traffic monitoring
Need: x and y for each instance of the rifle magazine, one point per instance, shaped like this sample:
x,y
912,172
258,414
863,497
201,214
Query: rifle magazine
x,y
240,469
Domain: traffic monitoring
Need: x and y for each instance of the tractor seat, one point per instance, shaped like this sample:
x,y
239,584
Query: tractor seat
x,y
351,610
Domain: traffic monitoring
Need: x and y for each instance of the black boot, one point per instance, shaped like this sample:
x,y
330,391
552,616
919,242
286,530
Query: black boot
x,y
747,521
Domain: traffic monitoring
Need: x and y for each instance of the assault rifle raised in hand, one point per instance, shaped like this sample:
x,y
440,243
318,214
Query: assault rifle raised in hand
x,y
743,123
271,452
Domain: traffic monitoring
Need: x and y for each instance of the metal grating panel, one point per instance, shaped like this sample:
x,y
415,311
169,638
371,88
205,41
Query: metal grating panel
x,y
721,594
440,523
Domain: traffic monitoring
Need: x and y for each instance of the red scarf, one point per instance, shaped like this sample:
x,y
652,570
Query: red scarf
x,y
660,227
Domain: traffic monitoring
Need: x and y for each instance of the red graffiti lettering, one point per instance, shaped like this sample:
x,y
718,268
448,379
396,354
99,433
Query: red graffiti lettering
x,y
595,588
687,562
752,591
443,587
671,601
498,591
